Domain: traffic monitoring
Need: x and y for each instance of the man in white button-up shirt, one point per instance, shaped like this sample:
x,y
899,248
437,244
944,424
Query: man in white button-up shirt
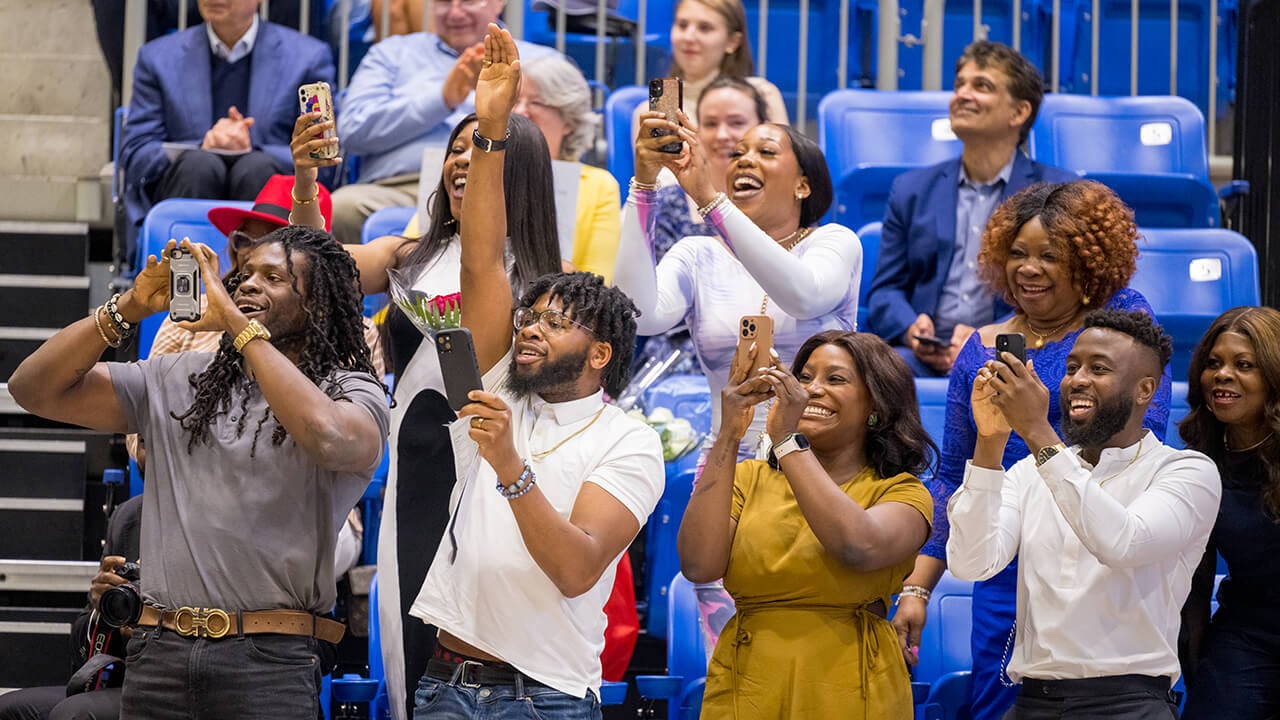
x,y
1108,531
553,483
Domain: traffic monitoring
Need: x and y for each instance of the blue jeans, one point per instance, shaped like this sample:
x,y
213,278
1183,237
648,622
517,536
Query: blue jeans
x,y
254,676
1239,677
440,700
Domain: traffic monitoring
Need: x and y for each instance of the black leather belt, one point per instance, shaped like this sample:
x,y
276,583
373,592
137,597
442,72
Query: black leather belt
x,y
476,674
1095,686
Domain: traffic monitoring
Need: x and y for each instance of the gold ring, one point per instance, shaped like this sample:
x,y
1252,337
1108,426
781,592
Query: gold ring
x,y
487,63
477,423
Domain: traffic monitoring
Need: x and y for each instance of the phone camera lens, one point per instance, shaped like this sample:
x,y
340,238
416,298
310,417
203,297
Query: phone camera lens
x,y
184,284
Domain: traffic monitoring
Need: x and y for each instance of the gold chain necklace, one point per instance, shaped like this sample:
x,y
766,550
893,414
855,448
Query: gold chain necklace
x,y
1040,336
1254,446
544,454
787,243
1132,460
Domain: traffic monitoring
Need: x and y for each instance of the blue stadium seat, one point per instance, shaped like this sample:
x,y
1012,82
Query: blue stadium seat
x,y
1192,276
373,689
686,676
1178,409
177,219
387,221
619,109
870,137
869,234
688,397
1150,150
931,395
945,656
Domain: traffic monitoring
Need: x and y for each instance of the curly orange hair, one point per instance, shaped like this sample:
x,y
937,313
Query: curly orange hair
x,y
1084,219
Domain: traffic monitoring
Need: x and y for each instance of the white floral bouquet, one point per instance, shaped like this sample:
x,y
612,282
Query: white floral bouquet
x,y
678,435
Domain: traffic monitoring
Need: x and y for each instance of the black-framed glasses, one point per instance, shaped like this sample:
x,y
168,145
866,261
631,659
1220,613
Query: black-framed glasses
x,y
552,322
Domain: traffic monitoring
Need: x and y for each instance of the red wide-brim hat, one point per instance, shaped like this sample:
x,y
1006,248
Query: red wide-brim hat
x,y
272,205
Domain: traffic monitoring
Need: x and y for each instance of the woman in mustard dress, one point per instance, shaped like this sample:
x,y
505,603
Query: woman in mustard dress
x,y
812,543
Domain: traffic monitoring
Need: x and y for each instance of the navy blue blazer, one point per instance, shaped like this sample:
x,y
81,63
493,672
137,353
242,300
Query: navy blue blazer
x,y
918,239
173,99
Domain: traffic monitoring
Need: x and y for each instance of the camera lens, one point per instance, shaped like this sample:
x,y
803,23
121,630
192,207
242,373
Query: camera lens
x,y
121,605
184,284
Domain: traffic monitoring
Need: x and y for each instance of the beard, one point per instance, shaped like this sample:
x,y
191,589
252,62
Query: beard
x,y
552,376
1109,418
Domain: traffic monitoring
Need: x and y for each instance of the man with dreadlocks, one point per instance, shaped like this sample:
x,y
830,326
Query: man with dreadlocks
x,y
518,585
256,453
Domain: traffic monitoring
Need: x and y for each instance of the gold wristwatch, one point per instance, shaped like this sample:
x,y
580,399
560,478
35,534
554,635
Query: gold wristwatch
x,y
1044,454
253,331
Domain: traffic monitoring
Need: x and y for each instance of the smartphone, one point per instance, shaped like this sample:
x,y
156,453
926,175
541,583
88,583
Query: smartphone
x,y
316,97
184,286
931,340
458,365
756,329
1015,343
666,95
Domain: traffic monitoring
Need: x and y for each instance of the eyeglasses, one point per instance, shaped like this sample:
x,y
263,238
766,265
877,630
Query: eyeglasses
x,y
238,240
552,322
443,6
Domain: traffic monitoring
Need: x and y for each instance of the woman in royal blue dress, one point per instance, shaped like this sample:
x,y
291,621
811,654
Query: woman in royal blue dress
x,y
1055,252
1232,663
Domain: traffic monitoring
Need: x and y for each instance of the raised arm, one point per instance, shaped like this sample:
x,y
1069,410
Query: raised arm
x,y
63,380
486,288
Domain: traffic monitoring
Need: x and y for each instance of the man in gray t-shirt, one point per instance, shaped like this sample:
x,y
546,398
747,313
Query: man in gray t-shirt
x,y
255,455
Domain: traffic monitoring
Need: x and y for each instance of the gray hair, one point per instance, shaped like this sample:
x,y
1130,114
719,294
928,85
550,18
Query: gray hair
x,y
563,88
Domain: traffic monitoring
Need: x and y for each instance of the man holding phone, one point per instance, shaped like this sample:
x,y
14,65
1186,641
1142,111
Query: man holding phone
x,y
255,455
1108,531
553,483
926,297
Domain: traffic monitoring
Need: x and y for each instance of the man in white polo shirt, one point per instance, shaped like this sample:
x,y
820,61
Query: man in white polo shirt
x,y
519,583
1108,531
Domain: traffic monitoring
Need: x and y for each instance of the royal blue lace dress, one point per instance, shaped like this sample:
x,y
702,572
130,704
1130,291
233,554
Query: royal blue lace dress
x,y
993,600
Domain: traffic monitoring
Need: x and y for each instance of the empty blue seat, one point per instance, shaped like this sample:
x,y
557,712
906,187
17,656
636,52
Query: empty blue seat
x,y
686,676
869,234
931,395
1150,150
1192,276
373,689
386,221
619,110
945,656
869,137
1178,409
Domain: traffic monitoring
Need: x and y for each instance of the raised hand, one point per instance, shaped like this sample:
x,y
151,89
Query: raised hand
x,y
490,420
744,390
792,398
498,86
1023,400
691,166
220,313
307,142
987,416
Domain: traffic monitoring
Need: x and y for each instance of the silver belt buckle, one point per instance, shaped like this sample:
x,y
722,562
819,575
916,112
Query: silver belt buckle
x,y
462,673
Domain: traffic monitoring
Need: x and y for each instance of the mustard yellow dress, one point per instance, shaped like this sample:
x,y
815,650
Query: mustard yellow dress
x,y
802,644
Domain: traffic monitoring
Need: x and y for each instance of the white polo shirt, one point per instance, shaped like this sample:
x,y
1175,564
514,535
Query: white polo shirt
x,y
1105,554
492,594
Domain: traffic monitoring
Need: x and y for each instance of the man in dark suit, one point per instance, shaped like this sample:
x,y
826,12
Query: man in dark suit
x,y
926,283
228,90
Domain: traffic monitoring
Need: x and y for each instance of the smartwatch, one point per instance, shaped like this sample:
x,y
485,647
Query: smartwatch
x,y
794,442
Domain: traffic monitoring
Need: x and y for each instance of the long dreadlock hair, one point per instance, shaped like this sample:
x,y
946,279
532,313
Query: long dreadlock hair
x,y
333,338
605,309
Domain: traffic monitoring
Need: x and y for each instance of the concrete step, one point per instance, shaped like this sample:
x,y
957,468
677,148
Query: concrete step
x,y
52,145
50,84
50,27
58,198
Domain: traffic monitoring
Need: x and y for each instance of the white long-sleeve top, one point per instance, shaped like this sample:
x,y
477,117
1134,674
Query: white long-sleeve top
x,y
1105,554
711,284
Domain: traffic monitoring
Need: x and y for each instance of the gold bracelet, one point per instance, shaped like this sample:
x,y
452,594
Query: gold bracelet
x,y
253,331
97,322
298,201
637,185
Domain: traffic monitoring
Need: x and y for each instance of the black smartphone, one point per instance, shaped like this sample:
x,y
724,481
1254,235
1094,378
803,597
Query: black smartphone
x,y
931,340
458,365
184,286
666,95
1015,343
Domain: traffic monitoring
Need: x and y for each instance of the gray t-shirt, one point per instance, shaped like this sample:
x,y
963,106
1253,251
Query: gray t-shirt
x,y
222,529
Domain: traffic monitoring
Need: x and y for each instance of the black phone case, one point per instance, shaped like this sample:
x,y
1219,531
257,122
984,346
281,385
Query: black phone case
x,y
458,365
1015,343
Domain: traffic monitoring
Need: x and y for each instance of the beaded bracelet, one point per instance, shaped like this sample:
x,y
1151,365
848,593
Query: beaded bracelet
x,y
97,322
717,201
522,485
123,327
915,591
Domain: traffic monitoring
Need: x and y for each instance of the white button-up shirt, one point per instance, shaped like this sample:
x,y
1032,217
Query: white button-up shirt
x,y
492,594
1105,554
242,48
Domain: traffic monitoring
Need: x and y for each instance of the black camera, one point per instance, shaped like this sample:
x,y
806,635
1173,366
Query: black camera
x,y
122,604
